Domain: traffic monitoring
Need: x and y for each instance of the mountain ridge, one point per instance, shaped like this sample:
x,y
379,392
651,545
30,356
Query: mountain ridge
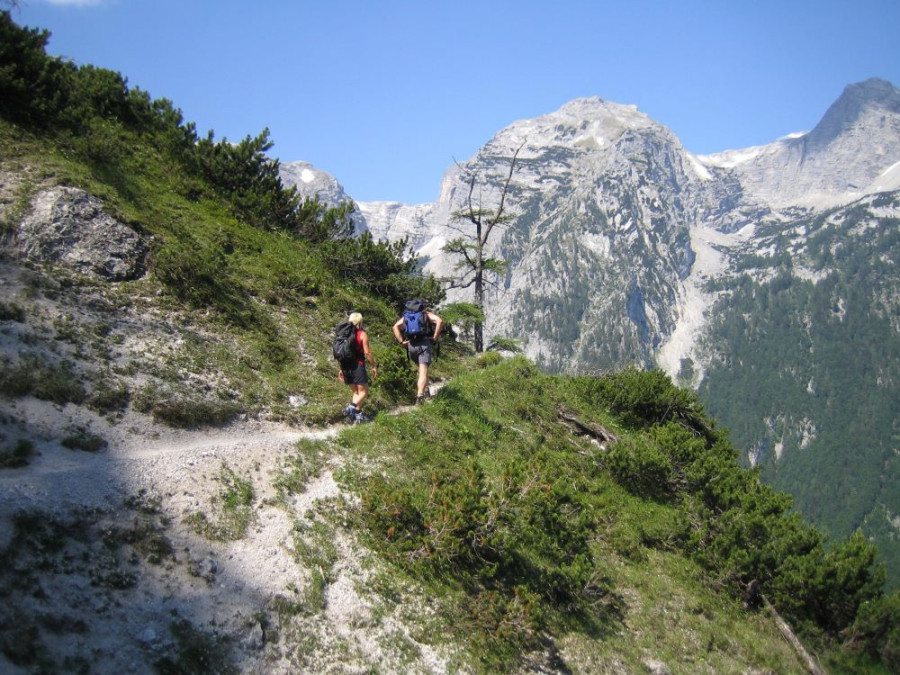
x,y
842,116
802,169
727,190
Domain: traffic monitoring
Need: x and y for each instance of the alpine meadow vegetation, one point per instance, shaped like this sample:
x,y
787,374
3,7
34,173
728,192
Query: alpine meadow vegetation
x,y
527,525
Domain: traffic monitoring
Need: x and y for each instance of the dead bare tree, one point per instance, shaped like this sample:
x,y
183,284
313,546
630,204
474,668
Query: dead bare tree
x,y
470,247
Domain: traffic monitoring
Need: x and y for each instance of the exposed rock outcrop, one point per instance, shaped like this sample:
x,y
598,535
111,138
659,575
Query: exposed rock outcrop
x,y
66,226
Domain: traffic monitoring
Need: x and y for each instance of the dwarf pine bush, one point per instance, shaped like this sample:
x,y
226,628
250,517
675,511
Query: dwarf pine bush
x,y
487,493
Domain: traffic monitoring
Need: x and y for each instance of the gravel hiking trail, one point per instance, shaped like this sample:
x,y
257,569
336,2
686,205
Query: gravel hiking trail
x,y
219,586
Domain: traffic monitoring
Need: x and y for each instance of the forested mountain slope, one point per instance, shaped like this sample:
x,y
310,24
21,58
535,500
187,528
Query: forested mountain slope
x,y
803,361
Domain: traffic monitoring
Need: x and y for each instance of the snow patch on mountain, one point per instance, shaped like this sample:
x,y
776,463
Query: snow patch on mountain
x,y
699,168
728,159
888,181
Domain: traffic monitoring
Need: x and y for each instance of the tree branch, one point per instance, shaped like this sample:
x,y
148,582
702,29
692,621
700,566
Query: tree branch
x,y
460,247
454,284
788,634
497,219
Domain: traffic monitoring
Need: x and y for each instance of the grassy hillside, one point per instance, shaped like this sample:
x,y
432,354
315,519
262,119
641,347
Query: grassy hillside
x,y
517,522
507,496
261,305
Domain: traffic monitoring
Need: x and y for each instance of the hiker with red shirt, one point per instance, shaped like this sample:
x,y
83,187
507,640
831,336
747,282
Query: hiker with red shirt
x,y
354,373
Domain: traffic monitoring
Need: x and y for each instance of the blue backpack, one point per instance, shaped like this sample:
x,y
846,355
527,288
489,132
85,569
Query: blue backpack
x,y
415,320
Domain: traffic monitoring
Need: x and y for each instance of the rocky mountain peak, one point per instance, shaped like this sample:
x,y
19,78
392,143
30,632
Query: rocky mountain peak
x,y
583,123
845,157
595,109
869,104
313,183
873,92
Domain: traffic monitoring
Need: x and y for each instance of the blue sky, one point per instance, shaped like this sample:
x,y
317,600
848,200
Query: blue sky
x,y
385,94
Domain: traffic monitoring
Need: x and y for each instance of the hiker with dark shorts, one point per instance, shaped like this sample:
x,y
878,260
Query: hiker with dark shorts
x,y
417,330
353,369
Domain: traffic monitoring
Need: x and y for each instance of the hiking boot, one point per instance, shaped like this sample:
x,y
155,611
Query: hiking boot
x,y
420,400
427,392
361,418
351,412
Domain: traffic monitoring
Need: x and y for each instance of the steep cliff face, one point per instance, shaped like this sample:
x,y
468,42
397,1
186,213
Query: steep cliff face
x,y
601,191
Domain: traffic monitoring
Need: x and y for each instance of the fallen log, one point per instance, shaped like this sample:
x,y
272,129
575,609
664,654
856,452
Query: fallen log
x,y
581,428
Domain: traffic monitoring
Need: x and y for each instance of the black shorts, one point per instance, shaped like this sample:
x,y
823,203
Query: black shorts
x,y
355,373
419,352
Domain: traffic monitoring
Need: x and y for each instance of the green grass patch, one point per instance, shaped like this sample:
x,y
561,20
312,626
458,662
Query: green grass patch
x,y
33,375
296,471
196,651
11,311
83,439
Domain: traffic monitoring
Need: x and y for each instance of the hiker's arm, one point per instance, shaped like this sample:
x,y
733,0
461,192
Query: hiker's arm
x,y
397,333
438,324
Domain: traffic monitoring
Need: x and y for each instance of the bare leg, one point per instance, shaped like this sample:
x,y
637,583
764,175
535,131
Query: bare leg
x,y
423,379
360,391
